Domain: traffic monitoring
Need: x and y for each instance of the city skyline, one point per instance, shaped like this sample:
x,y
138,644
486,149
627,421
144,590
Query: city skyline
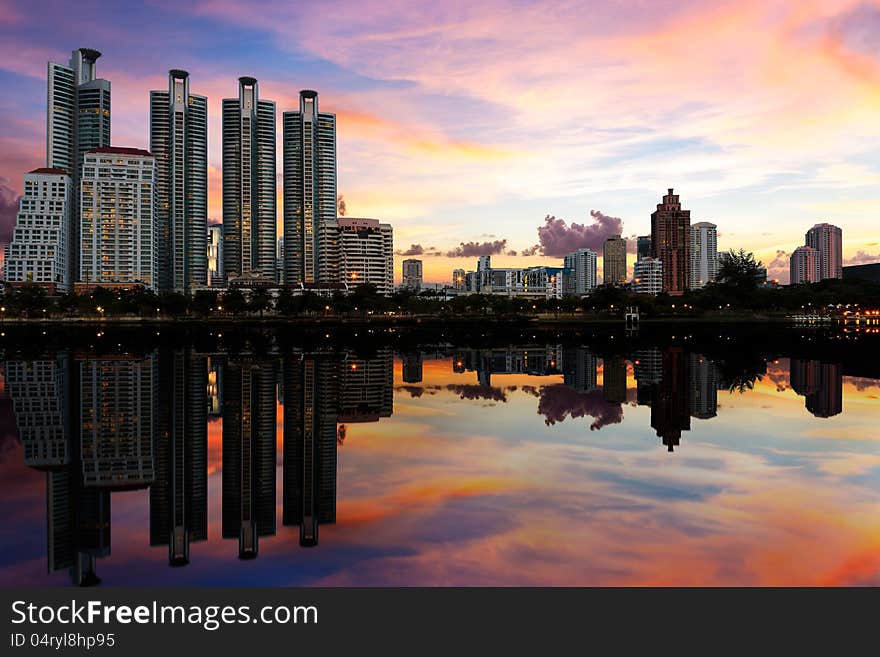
x,y
738,153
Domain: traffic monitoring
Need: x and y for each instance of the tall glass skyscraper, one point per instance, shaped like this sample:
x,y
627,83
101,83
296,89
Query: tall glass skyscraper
x,y
310,249
249,237
77,121
179,142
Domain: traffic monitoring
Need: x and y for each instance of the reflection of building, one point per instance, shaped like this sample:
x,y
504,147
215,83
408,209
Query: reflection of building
x,y
648,372
614,379
703,398
311,388
671,243
412,367
214,398
118,399
536,361
366,387
40,399
821,384
248,453
669,403
179,496
579,368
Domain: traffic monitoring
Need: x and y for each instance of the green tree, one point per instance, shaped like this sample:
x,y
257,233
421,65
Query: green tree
x,y
260,301
739,270
234,301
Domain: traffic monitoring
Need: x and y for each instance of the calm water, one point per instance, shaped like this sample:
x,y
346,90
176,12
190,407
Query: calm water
x,y
677,457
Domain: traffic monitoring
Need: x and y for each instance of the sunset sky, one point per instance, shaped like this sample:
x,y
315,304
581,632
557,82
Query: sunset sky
x,y
464,122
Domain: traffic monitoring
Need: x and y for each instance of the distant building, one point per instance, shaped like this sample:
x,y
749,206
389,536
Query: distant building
x,y
40,248
643,246
459,282
366,252
703,398
648,276
704,254
118,211
412,274
870,272
804,265
582,265
614,260
215,255
828,242
671,243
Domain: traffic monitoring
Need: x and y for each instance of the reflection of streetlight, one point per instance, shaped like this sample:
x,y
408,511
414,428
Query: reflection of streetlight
x,y
100,310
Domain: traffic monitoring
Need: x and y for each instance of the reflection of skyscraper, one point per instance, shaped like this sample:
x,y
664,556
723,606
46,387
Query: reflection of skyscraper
x,y
580,369
215,386
648,371
412,367
703,399
117,398
38,391
248,453
614,379
366,389
669,404
310,413
179,497
821,384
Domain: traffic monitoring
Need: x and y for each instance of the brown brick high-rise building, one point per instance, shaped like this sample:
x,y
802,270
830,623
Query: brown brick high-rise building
x,y
671,243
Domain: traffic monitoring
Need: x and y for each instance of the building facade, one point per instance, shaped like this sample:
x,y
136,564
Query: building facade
x,y
118,205
704,254
40,248
828,242
582,267
671,243
249,225
179,142
214,251
459,280
412,274
365,253
310,210
648,276
614,261
804,266
77,121
643,246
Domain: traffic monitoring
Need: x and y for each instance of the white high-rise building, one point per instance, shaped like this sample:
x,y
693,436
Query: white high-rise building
x,y
310,210
582,265
40,248
828,242
412,274
366,253
118,218
648,276
704,254
804,266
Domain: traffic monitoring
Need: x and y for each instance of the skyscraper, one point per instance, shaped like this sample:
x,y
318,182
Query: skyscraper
x,y
215,254
582,265
249,230
614,260
179,142
412,274
118,203
77,121
643,247
671,243
804,265
310,255
704,254
459,282
828,242
40,248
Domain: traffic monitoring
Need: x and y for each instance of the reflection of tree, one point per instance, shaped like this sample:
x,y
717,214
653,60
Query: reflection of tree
x,y
468,391
556,402
740,374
